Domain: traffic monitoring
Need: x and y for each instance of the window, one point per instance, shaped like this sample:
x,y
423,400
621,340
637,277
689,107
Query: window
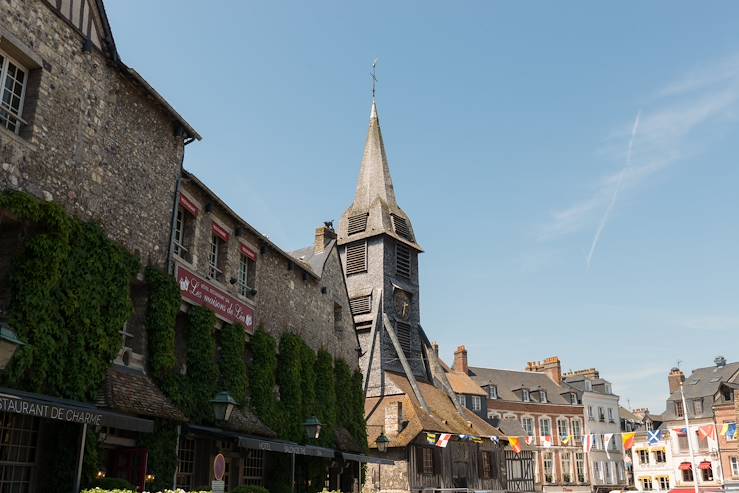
x,y
486,463
247,273
546,426
338,317
361,304
612,472
13,81
19,438
462,400
528,425
253,471
687,471
492,416
183,234
601,415
548,468
185,463
649,426
427,458
525,395
679,412
660,457
493,391
403,331
215,258
643,457
706,471
646,483
563,428
576,430
663,482
610,415
580,467
607,388
682,441
403,260
542,396
573,399
567,467
698,407
356,257
735,467
476,403
357,223
621,476
590,413
401,226
601,470
702,440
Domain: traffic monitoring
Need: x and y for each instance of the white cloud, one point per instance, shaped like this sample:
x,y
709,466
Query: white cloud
x,y
706,96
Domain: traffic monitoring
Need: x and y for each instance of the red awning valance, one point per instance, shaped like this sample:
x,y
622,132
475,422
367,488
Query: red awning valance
x,y
188,205
220,232
705,465
686,466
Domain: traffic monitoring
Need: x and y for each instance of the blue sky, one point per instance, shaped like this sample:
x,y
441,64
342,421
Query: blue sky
x,y
508,128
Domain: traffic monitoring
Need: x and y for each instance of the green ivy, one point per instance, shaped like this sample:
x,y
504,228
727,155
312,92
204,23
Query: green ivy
x,y
308,379
69,296
290,382
161,318
201,382
358,425
232,363
262,379
326,397
162,446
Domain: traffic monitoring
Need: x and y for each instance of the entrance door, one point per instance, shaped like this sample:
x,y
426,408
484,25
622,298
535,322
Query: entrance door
x,y
130,464
460,461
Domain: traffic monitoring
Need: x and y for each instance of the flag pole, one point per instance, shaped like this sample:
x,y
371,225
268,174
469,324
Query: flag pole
x,y
690,442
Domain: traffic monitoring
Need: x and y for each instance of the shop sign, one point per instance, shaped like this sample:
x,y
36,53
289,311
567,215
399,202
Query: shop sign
x,y
12,404
201,292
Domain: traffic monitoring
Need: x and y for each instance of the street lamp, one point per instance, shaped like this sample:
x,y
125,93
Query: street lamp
x,y
312,428
223,405
382,442
9,342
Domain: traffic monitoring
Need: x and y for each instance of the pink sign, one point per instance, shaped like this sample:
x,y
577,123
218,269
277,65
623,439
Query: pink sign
x,y
201,292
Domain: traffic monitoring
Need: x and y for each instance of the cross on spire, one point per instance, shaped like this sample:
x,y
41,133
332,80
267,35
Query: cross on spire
x,y
374,78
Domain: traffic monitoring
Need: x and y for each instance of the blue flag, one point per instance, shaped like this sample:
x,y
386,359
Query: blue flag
x,y
655,437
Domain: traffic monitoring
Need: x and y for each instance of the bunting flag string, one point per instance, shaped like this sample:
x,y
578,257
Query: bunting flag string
x,y
728,430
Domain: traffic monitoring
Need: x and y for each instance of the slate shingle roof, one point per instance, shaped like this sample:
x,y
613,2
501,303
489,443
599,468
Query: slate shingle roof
x,y
133,392
701,385
509,380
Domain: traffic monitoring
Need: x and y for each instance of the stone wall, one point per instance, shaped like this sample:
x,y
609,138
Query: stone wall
x,y
287,299
386,478
96,143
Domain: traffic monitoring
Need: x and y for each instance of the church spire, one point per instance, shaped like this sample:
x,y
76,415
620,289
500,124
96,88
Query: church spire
x,y
374,175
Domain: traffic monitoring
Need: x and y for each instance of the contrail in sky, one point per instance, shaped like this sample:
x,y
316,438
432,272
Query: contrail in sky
x,y
604,220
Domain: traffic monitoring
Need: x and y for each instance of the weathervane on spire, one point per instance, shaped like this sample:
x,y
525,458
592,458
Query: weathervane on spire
x,y
374,78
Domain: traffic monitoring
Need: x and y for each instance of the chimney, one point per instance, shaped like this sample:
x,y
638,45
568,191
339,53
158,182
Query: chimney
x,y
435,347
588,373
551,366
675,378
393,418
460,359
324,235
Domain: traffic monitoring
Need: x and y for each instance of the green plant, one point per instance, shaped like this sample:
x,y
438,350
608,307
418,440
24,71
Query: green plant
x,y
114,484
200,384
232,363
262,379
308,379
249,489
290,382
326,396
358,424
161,317
162,446
69,296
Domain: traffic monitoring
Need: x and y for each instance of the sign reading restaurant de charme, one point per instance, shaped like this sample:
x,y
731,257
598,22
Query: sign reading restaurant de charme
x,y
196,289
18,405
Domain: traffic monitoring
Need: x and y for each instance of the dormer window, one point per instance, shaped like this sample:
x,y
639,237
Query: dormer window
x,y
542,396
492,391
608,388
573,399
525,395
698,407
588,385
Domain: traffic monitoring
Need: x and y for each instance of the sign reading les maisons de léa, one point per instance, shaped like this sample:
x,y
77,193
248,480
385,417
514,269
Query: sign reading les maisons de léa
x,y
196,289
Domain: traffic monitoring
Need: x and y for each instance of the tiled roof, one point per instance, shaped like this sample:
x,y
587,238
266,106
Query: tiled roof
x,y
443,416
315,261
701,385
509,380
463,384
133,392
345,442
244,420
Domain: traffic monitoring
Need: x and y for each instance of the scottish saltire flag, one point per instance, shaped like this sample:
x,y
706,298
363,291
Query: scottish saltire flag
x,y
443,440
654,437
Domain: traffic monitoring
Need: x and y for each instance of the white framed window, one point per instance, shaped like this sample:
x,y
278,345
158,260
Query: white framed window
x,y
253,470
590,413
580,467
548,467
543,396
462,400
573,399
567,467
610,415
611,472
545,424
646,483
476,403
527,423
492,391
215,257
563,427
525,395
663,482
13,83
247,270
601,470
601,415
576,428
493,415
620,466
735,466
698,407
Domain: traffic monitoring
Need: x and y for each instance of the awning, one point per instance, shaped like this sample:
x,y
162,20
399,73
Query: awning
x,y
66,411
686,466
705,465
366,459
692,490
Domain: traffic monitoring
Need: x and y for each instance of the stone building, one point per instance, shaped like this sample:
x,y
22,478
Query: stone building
x,y
726,412
80,128
606,458
224,264
408,397
549,413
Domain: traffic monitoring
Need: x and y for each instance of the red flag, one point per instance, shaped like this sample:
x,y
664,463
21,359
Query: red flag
x,y
628,440
708,431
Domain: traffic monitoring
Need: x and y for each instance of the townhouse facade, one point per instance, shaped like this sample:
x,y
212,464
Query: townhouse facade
x,y
726,416
549,414
606,458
